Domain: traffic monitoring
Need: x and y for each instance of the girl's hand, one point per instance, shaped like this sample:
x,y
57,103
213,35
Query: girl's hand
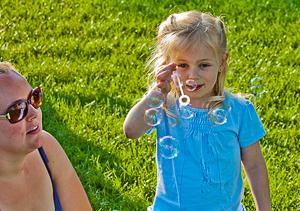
x,y
163,77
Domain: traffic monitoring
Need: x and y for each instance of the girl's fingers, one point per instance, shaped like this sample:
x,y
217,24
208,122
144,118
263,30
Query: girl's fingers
x,y
165,72
163,77
161,84
164,86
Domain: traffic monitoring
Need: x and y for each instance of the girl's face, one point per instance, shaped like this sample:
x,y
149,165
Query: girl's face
x,y
23,136
201,66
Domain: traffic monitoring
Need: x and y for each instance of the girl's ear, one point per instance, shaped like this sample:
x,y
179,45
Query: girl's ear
x,y
223,65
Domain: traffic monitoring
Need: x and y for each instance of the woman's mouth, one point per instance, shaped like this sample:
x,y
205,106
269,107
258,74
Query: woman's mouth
x,y
34,130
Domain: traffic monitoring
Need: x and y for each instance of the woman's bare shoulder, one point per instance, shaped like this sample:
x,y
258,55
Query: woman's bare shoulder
x,y
48,141
69,187
57,158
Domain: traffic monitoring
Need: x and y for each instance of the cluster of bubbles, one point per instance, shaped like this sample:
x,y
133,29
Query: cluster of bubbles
x,y
153,115
168,146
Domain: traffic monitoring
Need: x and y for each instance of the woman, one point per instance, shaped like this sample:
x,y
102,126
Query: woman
x,y
35,172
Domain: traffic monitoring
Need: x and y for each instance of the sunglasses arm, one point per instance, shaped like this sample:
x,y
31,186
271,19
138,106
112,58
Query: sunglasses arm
x,y
4,117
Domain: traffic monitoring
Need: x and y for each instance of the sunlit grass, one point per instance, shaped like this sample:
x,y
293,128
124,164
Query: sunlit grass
x,y
90,58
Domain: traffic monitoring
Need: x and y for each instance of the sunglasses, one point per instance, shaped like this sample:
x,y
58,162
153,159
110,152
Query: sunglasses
x,y
19,109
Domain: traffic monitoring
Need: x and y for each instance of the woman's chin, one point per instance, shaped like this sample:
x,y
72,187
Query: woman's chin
x,y
34,143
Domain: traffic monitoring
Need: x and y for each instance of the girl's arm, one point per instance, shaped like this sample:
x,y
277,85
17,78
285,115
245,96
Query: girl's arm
x,y
256,171
69,188
134,125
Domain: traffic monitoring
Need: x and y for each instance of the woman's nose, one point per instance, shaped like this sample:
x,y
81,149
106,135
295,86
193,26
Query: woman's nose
x,y
32,113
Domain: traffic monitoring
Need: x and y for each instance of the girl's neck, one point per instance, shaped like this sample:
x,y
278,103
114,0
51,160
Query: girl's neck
x,y
201,102
198,103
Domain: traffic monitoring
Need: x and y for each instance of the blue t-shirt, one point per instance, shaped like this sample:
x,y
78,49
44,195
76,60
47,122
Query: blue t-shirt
x,y
206,173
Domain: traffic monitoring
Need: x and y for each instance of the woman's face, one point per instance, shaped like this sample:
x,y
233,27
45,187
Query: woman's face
x,y
23,136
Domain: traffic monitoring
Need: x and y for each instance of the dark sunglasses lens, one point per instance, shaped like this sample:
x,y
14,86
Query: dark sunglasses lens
x,y
17,112
37,97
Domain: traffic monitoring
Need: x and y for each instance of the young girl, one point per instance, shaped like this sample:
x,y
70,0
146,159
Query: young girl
x,y
221,130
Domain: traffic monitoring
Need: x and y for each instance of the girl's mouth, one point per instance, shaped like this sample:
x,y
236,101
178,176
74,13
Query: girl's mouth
x,y
198,87
192,86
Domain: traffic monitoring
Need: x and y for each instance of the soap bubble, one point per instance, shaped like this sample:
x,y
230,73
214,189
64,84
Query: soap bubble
x,y
219,115
185,112
172,121
256,80
148,132
156,99
168,147
191,85
256,87
153,116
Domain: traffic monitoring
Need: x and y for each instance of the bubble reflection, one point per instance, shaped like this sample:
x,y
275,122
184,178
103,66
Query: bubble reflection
x,y
153,116
172,121
156,99
150,131
219,115
256,88
185,112
191,85
168,147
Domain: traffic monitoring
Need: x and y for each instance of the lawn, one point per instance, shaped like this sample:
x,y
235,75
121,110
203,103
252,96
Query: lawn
x,y
90,56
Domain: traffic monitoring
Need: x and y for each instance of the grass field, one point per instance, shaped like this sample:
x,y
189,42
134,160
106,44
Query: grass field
x,y
90,55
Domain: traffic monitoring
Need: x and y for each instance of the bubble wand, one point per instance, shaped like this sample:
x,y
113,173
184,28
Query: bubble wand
x,y
184,100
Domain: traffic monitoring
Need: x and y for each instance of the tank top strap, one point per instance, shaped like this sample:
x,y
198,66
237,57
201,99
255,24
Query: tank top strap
x,y
55,194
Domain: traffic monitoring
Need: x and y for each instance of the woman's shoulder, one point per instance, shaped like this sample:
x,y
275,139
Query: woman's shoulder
x,y
69,188
54,152
49,143
46,136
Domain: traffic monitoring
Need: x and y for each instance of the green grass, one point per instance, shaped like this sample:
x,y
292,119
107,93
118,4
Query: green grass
x,y
90,58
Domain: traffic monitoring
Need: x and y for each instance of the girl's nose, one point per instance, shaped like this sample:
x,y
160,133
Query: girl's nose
x,y
194,72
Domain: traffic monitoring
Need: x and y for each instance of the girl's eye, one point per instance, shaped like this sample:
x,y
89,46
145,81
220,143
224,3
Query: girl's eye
x,y
203,66
183,65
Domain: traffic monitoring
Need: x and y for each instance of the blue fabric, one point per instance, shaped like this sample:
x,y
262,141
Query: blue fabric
x,y
55,195
206,174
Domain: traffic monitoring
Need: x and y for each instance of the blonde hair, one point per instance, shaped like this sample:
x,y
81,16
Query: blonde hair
x,y
6,67
185,31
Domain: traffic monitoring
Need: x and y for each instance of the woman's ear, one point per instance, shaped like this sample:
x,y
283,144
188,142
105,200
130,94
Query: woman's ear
x,y
223,65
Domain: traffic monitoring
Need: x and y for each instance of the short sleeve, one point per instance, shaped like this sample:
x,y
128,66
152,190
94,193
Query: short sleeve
x,y
250,126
